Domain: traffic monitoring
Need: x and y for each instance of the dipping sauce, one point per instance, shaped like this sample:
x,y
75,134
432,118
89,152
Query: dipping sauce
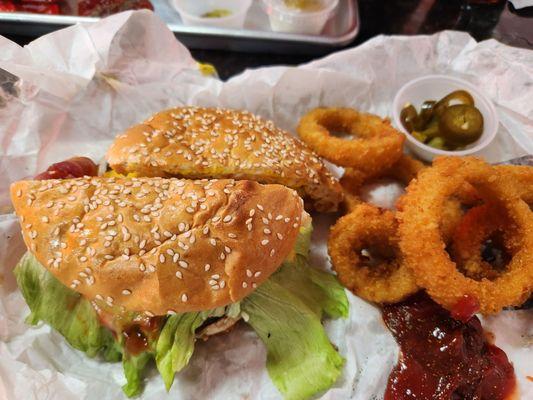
x,y
304,5
217,13
442,358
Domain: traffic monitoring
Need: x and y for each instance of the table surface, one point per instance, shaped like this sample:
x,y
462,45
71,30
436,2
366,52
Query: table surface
x,y
498,20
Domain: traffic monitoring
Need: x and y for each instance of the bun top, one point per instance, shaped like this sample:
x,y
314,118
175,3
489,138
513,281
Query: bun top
x,y
194,142
157,245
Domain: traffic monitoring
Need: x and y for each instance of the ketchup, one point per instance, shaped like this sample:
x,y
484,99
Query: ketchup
x,y
465,308
443,358
75,167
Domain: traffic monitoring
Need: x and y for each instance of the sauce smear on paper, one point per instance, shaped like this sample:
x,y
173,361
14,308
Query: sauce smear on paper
x,y
442,358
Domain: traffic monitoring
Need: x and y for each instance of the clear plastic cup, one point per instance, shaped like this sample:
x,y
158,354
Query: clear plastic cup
x,y
191,12
292,20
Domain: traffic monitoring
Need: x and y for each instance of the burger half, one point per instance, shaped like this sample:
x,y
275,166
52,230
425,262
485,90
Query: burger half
x,y
136,269
196,142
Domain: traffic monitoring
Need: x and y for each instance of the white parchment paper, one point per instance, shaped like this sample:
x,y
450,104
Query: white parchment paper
x,y
81,86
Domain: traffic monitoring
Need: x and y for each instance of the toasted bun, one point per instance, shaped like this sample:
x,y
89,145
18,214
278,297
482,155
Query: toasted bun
x,y
158,245
196,142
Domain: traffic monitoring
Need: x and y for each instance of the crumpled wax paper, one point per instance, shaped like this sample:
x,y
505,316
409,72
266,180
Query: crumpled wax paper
x,y
81,86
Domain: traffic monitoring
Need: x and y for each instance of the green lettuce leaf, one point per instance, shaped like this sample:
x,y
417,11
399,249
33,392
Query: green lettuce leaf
x,y
286,312
301,361
176,344
74,317
319,290
134,367
64,310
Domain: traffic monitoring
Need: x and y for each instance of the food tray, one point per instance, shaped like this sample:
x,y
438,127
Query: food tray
x,y
256,36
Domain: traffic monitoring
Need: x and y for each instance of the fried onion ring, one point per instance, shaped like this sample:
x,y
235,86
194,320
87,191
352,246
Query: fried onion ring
x,y
522,176
372,230
424,249
477,225
404,170
376,146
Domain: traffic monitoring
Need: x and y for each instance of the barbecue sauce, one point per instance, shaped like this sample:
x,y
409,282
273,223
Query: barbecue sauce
x,y
443,358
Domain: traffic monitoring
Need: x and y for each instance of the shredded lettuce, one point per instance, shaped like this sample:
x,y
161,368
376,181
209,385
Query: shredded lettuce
x,y
285,311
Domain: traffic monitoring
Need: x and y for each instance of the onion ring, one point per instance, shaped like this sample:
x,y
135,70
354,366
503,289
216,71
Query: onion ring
x,y
424,250
404,171
369,228
477,225
377,145
522,176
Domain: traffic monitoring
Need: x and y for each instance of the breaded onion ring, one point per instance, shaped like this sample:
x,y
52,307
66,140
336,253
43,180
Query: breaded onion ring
x,y
404,170
370,229
424,249
376,147
522,176
476,226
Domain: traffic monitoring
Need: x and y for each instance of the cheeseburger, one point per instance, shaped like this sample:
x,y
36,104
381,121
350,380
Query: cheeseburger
x,y
137,269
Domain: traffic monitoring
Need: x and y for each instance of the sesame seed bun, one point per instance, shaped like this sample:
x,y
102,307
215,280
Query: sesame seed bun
x,y
157,245
193,142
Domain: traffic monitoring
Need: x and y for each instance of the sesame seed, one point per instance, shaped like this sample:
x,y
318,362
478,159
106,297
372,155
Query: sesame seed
x,y
264,242
207,267
184,298
227,218
179,275
126,292
249,273
252,212
244,285
267,231
260,207
265,221
183,264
